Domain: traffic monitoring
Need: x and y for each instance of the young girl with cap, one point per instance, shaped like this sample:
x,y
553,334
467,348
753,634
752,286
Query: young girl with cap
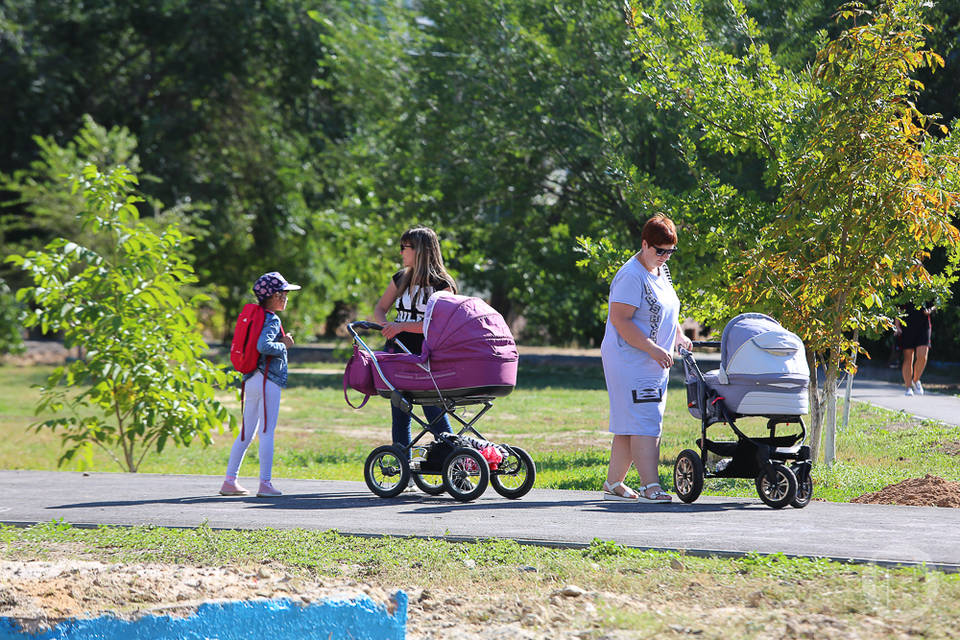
x,y
262,404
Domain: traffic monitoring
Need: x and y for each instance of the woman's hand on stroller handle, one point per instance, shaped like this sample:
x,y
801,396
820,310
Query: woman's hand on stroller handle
x,y
697,343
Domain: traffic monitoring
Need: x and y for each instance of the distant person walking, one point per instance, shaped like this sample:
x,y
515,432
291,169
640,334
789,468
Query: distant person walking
x,y
262,397
422,274
915,344
643,329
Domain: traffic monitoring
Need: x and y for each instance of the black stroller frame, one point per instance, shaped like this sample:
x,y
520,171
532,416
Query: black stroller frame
x,y
780,465
463,472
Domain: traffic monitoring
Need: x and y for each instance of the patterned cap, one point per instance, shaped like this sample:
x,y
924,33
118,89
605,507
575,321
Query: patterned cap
x,y
269,283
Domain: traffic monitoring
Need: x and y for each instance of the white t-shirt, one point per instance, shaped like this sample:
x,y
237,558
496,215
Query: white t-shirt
x,y
636,383
412,307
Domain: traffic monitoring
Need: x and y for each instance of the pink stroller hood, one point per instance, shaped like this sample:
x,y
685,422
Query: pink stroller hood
x,y
467,345
459,327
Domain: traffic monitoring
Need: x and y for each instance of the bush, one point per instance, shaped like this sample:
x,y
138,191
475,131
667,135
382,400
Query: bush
x,y
143,381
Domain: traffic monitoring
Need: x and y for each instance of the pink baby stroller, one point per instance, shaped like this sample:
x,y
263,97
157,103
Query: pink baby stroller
x,y
468,358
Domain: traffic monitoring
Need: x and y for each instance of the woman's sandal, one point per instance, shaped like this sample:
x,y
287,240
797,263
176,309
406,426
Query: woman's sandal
x,y
659,496
610,492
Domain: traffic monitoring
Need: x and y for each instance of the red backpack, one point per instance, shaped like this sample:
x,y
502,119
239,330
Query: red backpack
x,y
244,355
243,351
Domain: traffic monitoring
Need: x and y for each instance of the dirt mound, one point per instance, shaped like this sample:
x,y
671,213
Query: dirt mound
x,y
928,491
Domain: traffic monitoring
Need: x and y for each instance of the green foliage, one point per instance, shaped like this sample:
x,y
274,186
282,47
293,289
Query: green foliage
x,y
221,98
44,206
142,382
603,549
869,202
10,339
494,123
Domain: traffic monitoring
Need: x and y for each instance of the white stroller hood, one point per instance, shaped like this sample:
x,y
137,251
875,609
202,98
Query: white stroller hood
x,y
756,344
763,368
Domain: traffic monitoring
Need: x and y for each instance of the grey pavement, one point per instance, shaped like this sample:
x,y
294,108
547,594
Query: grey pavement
x,y
882,534
884,388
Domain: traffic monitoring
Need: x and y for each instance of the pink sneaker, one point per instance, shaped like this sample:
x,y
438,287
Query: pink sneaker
x,y
231,488
267,490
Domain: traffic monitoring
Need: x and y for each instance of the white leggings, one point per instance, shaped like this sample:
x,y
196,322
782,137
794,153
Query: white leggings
x,y
253,400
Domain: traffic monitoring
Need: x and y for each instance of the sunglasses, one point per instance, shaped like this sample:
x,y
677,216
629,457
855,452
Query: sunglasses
x,y
668,252
406,246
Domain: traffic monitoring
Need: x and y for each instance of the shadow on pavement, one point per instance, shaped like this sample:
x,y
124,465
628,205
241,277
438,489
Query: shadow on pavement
x,y
422,504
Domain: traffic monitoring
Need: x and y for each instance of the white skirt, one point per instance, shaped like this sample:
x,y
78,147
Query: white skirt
x,y
637,401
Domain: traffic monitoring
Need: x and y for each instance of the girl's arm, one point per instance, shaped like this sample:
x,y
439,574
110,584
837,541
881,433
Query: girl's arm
x,y
270,342
621,317
385,303
391,329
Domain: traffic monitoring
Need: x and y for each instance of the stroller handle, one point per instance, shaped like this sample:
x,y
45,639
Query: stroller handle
x,y
363,325
707,343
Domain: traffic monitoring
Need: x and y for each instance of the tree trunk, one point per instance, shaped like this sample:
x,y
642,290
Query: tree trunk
x,y
830,441
816,415
849,390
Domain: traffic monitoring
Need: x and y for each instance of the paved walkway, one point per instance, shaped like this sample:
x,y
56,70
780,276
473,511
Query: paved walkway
x,y
723,526
883,388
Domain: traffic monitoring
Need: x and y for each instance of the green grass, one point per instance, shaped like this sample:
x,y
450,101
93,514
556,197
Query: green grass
x,y
558,414
651,592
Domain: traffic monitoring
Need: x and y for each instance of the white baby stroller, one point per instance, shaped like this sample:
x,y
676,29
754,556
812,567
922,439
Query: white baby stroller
x,y
763,372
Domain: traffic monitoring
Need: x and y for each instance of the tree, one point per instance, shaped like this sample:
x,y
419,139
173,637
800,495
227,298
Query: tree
x,y
858,203
220,96
143,381
43,206
497,123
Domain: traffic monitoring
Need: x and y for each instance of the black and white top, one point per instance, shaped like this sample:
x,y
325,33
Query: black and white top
x,y
411,306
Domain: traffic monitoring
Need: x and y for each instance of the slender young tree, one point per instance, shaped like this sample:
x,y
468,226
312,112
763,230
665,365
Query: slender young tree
x,y
143,381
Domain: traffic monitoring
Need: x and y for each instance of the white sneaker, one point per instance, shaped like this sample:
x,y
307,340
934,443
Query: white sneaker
x,y
908,392
918,388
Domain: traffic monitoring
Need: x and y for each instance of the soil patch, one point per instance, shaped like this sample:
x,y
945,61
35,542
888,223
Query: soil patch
x,y
898,426
40,594
928,491
951,448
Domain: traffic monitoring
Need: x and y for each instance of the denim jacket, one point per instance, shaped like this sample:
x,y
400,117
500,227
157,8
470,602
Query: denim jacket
x,y
269,345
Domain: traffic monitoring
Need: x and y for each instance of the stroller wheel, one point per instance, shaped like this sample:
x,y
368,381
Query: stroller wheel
x,y
779,492
429,483
387,471
515,475
465,474
804,492
688,475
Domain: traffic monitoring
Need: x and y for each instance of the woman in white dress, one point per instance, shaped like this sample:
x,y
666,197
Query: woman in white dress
x,y
643,330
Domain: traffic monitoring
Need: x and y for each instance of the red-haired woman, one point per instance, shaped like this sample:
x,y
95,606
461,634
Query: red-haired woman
x,y
643,329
